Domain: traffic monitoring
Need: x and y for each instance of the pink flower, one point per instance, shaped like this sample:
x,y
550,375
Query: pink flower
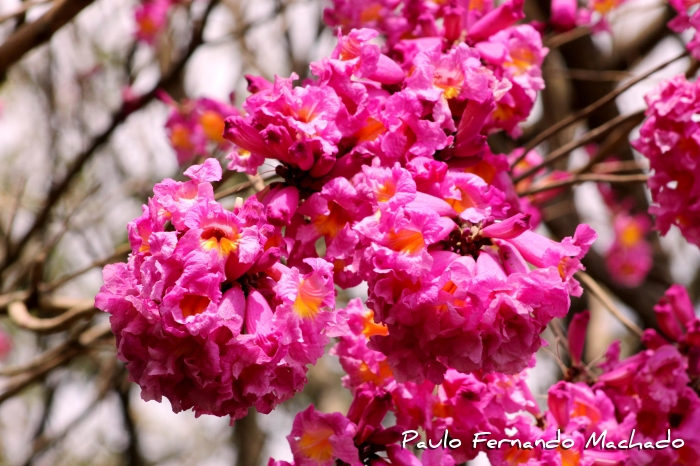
x,y
366,60
596,14
319,439
295,125
563,14
151,17
197,127
670,139
577,335
365,13
629,258
502,17
332,214
516,53
203,312
565,256
5,345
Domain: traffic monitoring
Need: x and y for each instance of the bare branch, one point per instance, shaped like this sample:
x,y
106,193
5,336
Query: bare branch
x,y
20,315
584,112
52,359
36,33
119,251
602,296
602,178
127,108
592,135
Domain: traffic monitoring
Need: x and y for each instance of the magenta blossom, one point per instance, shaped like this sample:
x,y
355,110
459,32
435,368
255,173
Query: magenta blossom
x,y
204,313
670,139
196,128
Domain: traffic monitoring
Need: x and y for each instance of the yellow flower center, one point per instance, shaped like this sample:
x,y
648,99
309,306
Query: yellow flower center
x,y
315,444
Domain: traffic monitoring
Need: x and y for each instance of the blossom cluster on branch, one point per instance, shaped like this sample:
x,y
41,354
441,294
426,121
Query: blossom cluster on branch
x,y
385,178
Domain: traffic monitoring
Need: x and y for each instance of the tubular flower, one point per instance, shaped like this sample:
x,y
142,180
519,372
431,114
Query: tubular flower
x,y
563,14
463,404
670,139
372,14
653,386
331,214
204,313
320,439
451,283
293,125
576,413
688,19
516,54
408,20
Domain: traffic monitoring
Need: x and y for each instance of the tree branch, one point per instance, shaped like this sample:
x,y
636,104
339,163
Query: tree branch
x,y
33,34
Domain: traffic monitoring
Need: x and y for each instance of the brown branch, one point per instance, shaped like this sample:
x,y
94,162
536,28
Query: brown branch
x,y
52,359
34,34
593,75
119,251
584,112
600,178
600,294
13,212
618,166
20,315
557,40
249,440
127,108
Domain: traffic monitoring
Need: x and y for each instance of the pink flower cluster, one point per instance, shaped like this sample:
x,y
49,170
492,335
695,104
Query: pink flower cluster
x,y
456,291
655,386
629,258
688,19
462,405
204,312
640,398
389,160
196,128
670,139
386,179
648,393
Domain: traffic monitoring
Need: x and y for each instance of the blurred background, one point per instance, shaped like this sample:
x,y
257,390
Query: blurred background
x,y
83,139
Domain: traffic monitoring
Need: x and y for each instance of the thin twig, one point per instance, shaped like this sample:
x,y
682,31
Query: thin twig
x,y
574,117
20,315
558,40
598,291
620,166
13,212
583,140
52,359
599,178
118,252
591,75
127,108
36,33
